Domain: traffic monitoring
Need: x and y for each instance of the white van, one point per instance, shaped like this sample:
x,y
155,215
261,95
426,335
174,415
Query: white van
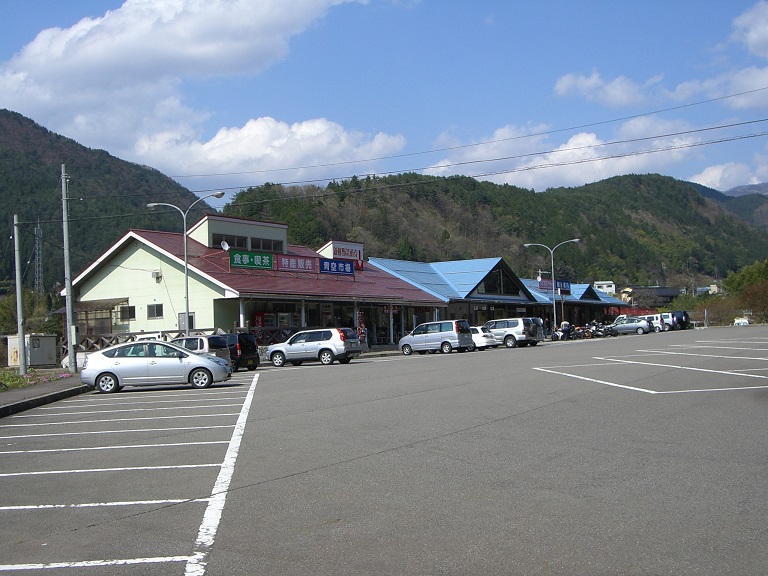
x,y
658,321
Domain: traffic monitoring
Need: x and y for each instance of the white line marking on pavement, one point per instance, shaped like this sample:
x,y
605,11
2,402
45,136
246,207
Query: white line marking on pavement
x,y
121,447
693,369
197,561
116,410
94,563
207,533
114,420
90,470
674,353
613,384
116,431
101,504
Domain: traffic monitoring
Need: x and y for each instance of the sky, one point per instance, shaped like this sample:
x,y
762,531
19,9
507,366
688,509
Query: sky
x,y
227,94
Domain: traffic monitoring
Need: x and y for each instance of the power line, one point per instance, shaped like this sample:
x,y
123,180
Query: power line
x,y
463,146
533,154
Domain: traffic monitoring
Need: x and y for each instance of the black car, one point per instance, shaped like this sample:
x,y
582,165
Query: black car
x,y
243,350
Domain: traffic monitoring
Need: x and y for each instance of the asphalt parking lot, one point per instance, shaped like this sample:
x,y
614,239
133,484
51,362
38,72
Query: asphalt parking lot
x,y
633,455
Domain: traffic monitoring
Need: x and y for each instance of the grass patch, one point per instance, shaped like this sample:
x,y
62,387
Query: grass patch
x,y
10,377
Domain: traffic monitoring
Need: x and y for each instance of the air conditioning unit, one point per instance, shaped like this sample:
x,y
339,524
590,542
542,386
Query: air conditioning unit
x,y
157,275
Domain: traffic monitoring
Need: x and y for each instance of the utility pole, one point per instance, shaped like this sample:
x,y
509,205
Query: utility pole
x,y
39,288
19,299
70,328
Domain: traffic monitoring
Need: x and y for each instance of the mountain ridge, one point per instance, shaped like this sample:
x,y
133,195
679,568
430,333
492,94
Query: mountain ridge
x,y
634,229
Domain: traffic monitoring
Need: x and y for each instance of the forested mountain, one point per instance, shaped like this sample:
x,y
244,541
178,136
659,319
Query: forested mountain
x,y
107,196
633,229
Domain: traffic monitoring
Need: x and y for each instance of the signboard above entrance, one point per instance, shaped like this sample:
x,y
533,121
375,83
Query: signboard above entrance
x,y
253,260
337,250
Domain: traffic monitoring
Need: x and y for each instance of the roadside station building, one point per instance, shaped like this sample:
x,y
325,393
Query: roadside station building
x,y
243,275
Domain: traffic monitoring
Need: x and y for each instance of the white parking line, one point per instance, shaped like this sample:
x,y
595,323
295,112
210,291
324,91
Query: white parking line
x,y
119,447
605,382
94,563
210,525
676,353
94,470
691,368
102,504
197,561
85,403
112,420
174,428
117,410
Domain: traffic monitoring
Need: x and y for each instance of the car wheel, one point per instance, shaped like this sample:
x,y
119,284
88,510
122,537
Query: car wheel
x,y
235,368
422,352
296,362
407,350
640,331
471,348
534,342
252,368
278,359
657,329
107,383
432,351
445,348
510,342
200,378
345,360
326,357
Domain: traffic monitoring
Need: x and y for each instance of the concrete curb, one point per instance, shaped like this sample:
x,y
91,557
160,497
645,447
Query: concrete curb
x,y
41,400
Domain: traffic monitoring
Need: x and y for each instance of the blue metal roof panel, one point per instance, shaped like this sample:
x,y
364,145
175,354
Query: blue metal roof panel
x,y
420,274
533,287
465,275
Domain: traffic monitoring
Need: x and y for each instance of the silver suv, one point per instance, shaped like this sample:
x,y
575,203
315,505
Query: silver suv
x,y
325,345
203,344
517,331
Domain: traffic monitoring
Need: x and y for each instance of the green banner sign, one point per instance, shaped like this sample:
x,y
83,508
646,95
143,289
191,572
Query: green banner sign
x,y
240,259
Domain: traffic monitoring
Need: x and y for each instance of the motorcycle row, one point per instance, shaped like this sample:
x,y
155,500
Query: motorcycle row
x,y
591,330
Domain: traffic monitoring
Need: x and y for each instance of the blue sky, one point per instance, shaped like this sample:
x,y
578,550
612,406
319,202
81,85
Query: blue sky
x,y
233,93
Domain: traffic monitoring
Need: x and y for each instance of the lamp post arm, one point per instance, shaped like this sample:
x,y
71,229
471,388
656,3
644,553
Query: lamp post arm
x,y
186,260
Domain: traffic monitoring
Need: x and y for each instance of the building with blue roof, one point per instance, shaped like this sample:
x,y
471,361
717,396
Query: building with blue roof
x,y
486,288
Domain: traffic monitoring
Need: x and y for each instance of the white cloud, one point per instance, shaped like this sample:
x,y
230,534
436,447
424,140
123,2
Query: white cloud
x,y
751,28
115,82
725,176
620,91
263,143
527,158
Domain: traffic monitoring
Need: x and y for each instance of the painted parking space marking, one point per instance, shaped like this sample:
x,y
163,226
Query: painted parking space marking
x,y
206,534
133,431
196,562
121,410
75,422
117,469
118,447
164,502
649,358
596,381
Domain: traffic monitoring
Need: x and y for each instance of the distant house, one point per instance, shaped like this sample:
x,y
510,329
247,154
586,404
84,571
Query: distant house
x,y
607,286
649,296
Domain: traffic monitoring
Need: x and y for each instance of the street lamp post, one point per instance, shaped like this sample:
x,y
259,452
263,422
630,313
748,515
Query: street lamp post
x,y
186,264
552,256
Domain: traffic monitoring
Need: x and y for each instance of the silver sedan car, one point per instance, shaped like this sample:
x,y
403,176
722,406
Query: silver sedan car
x,y
148,363
631,324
